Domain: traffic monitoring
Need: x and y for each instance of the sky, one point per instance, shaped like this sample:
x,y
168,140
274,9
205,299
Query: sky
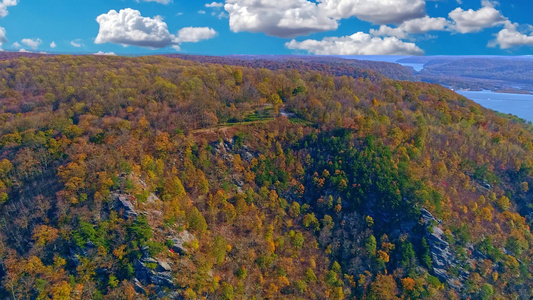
x,y
266,27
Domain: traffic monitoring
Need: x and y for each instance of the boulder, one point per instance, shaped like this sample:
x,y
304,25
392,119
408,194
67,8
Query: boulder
x,y
163,266
163,279
181,241
247,156
158,276
124,205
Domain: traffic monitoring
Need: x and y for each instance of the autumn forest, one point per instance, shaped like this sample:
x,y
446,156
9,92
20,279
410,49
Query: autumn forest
x,y
168,178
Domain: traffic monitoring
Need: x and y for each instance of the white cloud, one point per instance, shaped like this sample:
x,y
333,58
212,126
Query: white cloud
x,y
105,53
53,45
76,43
375,11
414,26
129,28
24,51
215,10
4,5
3,38
510,37
17,45
291,18
385,30
195,34
359,43
281,18
32,43
425,24
468,21
215,4
3,12
202,12
158,1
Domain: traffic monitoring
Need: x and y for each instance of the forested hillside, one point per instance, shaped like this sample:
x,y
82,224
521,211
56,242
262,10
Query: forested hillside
x,y
155,177
329,65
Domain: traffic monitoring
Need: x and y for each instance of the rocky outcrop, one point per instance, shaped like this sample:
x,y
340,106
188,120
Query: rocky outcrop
x,y
442,255
138,287
153,271
481,183
226,149
123,205
182,241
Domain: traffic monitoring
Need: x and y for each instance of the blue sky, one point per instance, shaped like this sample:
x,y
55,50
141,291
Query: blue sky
x,y
325,27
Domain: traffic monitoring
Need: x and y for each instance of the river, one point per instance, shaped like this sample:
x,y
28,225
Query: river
x,y
516,104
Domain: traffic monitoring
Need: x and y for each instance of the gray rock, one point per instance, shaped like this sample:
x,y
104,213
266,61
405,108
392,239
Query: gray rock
x,y
441,254
247,156
160,276
237,181
229,143
428,217
138,287
142,273
163,266
153,199
122,203
181,240
149,260
163,279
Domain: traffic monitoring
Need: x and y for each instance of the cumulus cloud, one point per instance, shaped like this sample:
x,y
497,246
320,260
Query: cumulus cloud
x,y
158,1
128,28
359,43
105,53
24,51
510,37
414,26
290,18
4,5
375,11
53,45
468,21
17,45
32,43
281,18
195,34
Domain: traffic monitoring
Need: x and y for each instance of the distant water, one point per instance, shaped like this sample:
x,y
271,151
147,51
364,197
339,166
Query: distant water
x,y
516,104
417,67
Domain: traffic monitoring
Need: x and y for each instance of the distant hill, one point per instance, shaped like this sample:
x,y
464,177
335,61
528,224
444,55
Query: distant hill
x,y
328,64
477,72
